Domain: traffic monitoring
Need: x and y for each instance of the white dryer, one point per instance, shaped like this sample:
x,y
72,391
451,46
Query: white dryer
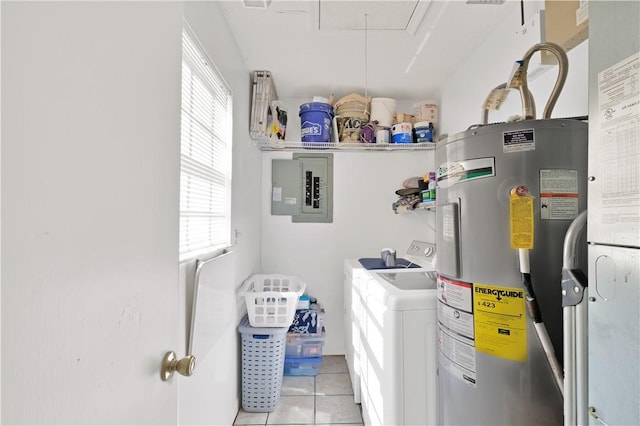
x,y
420,255
398,348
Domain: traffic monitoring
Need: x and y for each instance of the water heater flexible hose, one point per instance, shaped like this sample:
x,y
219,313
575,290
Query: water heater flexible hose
x,y
563,63
519,81
484,120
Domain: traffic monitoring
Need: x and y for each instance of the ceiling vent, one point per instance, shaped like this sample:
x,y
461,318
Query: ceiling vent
x,y
485,1
256,4
401,15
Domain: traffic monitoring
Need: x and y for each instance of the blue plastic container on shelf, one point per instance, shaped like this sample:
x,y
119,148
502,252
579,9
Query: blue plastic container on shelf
x,y
316,120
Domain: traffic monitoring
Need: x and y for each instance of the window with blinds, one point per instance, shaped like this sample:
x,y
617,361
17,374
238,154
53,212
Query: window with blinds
x,y
205,154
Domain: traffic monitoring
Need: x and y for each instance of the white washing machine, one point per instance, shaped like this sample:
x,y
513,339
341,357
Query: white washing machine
x,y
420,254
398,348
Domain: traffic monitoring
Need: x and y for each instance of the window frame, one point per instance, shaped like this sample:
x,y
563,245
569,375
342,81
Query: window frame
x,y
224,244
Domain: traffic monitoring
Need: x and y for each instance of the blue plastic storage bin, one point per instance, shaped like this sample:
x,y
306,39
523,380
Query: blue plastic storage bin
x,y
302,366
304,345
263,352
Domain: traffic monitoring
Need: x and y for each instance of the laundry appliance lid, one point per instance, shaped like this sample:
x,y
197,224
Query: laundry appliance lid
x,y
420,280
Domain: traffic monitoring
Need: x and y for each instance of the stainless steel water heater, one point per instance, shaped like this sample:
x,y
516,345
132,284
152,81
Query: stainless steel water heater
x,y
506,195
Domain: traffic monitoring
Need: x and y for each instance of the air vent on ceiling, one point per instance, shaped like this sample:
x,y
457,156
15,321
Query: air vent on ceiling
x,y
256,4
399,15
485,1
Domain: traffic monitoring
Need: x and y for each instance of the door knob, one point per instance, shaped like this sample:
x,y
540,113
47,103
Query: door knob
x,y
170,364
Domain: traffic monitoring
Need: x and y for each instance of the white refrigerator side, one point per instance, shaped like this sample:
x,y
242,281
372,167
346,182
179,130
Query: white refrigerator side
x,y
614,124
614,335
613,225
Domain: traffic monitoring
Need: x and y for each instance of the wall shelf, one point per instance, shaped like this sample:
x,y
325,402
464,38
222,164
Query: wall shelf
x,y
269,145
427,205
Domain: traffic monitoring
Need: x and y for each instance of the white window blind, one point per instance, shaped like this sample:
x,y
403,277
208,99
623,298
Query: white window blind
x,y
205,154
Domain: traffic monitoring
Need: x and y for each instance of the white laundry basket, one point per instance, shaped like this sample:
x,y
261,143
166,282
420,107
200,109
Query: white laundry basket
x,y
272,298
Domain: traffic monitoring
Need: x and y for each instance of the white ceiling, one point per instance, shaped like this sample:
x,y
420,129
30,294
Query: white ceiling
x,y
318,47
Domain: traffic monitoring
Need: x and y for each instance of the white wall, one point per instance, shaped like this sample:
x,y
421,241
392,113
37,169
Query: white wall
x,y
211,395
0,218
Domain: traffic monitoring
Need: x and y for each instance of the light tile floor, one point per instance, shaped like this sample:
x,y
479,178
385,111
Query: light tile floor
x,y
326,399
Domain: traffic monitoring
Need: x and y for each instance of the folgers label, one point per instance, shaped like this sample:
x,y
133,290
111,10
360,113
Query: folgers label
x,y
402,133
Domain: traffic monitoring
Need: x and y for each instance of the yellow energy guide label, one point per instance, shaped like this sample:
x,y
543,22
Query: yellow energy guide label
x,y
500,321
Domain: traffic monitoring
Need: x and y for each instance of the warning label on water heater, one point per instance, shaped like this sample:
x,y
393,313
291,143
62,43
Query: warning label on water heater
x,y
458,356
455,329
558,194
518,141
521,221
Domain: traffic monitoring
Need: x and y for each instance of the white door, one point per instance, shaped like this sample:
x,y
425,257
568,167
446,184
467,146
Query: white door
x,y
90,182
